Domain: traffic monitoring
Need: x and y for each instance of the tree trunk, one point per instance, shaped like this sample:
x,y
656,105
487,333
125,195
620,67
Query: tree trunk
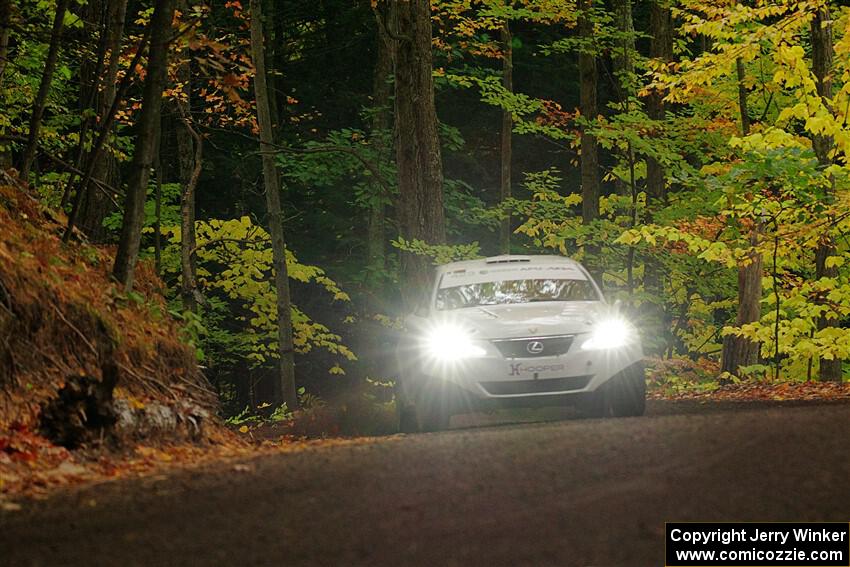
x,y
624,68
589,147
44,88
5,33
189,283
382,91
96,206
507,132
623,56
623,64
90,76
284,387
100,142
420,167
189,156
740,351
272,42
822,54
148,131
661,47
157,223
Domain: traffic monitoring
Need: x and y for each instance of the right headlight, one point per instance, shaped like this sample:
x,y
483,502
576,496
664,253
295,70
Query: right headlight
x,y
610,333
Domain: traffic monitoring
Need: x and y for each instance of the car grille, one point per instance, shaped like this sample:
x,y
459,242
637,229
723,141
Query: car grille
x,y
533,347
541,386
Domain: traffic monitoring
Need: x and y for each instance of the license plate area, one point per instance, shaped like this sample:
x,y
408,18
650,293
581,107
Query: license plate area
x,y
532,369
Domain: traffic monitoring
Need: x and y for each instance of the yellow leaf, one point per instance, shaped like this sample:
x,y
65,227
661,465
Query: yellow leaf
x,y
834,261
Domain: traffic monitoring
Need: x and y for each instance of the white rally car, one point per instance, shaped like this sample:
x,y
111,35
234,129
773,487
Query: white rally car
x,y
516,331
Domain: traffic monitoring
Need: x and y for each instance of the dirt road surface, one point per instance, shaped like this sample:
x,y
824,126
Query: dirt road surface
x,y
571,493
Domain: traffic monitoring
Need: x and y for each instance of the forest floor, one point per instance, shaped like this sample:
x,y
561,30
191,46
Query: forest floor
x,y
578,492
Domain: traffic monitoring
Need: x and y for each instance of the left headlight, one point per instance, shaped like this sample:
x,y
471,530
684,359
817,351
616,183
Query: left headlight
x,y
451,342
610,333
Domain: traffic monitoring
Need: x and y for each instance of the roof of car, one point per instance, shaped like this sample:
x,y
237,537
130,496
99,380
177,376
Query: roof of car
x,y
509,259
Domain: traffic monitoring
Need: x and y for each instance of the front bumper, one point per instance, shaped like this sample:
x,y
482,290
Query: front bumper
x,y
523,381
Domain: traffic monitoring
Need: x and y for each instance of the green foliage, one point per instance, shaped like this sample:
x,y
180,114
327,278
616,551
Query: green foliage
x,y
193,331
169,209
234,263
438,253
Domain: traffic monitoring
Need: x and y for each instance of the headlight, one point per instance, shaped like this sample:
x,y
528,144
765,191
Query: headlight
x,y
450,342
608,334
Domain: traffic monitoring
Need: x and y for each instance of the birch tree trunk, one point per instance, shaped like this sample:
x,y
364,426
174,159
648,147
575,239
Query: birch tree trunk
x,y
284,386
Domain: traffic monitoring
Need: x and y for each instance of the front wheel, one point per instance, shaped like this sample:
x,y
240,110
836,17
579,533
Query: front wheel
x,y
421,411
624,395
627,392
433,414
407,420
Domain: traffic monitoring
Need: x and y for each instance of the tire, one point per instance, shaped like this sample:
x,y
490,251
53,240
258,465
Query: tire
x,y
420,411
433,413
405,410
595,404
407,420
627,392
624,395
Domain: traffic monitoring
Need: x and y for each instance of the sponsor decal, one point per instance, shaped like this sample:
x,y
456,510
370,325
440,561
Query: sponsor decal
x,y
463,277
519,368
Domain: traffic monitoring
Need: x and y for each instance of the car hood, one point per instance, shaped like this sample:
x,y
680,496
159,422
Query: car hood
x,y
527,319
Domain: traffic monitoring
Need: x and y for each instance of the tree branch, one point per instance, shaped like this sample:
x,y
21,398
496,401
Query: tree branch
x,y
373,169
102,186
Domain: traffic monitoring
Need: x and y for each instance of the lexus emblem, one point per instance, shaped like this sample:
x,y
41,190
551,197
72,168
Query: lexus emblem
x,y
534,347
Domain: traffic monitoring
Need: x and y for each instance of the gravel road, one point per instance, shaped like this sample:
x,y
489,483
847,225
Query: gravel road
x,y
571,493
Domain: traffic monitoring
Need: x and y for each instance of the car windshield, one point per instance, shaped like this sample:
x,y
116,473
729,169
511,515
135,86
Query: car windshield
x,y
514,291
